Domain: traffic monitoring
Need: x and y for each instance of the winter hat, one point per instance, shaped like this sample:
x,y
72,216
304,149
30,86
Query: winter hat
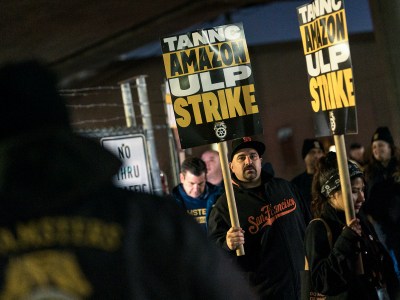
x,y
247,142
333,182
355,145
29,99
309,144
382,134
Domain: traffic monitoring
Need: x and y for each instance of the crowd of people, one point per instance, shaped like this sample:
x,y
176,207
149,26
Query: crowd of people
x,y
67,232
285,224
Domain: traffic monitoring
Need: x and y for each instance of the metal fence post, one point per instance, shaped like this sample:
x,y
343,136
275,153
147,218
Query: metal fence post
x,y
128,104
173,155
149,132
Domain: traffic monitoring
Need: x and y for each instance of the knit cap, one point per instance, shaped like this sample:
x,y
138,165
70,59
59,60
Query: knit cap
x,y
310,144
382,134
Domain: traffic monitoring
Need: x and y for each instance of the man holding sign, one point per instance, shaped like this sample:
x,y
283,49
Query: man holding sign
x,y
272,224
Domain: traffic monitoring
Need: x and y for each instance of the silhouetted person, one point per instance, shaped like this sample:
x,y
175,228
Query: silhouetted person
x,y
67,233
356,154
311,152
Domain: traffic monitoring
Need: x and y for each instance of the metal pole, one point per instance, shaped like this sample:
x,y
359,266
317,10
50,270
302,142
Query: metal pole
x,y
173,155
128,104
148,128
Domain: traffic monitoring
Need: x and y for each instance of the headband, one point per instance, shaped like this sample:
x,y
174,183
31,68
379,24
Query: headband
x,y
333,182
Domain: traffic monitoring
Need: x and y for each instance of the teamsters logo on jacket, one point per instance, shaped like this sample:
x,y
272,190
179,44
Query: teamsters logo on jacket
x,y
42,261
269,214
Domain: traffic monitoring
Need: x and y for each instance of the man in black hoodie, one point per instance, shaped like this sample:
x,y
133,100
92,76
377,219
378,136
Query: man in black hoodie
x,y
67,233
272,220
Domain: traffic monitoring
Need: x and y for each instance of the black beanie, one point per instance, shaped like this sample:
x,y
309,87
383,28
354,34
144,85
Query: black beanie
x,y
29,99
309,144
383,134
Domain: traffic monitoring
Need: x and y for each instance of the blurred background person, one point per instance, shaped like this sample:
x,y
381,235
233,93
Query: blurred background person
x,y
194,194
383,191
356,154
311,152
214,171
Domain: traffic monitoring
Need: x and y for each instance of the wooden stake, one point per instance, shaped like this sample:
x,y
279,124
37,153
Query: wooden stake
x,y
230,196
345,185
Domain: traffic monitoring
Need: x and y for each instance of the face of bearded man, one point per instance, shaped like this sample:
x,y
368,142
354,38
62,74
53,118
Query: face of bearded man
x,y
246,165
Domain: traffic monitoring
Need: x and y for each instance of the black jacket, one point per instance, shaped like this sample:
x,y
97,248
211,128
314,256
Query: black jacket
x,y
274,226
383,203
303,182
65,231
334,271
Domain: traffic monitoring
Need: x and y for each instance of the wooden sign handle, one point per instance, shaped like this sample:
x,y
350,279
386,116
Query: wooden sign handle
x,y
345,185
230,196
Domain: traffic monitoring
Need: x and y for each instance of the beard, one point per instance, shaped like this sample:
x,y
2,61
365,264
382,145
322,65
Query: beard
x,y
249,173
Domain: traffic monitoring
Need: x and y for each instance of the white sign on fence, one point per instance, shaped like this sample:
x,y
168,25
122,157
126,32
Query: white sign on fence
x,y
134,173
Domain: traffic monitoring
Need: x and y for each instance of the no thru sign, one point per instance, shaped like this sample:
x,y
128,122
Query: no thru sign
x,y
134,173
